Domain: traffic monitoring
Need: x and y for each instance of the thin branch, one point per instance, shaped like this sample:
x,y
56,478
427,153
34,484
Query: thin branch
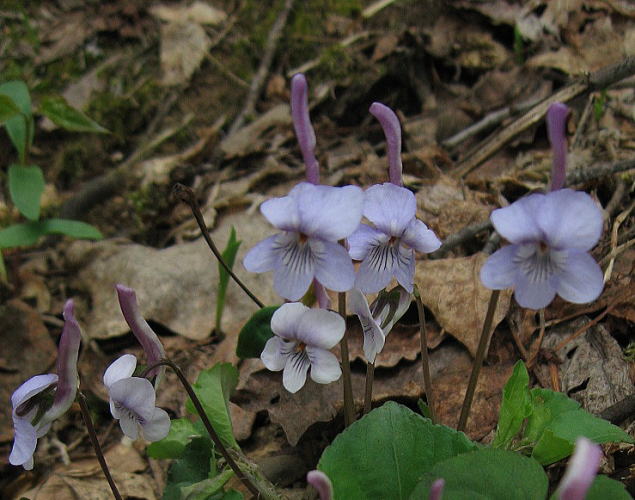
x,y
259,79
186,195
598,80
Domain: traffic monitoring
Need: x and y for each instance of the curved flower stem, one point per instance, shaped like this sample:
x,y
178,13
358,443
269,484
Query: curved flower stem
x,y
541,335
481,352
368,393
83,405
349,413
425,360
208,425
186,195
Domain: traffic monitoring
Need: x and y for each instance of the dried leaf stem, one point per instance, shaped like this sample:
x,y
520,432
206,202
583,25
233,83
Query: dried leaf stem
x,y
83,406
186,195
481,352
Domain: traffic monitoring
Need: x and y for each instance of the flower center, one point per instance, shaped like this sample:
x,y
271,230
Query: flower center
x,y
300,347
538,262
129,413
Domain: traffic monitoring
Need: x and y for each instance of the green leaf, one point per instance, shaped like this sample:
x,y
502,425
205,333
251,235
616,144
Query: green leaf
x,y
384,454
515,407
604,488
26,184
22,235
213,387
62,114
207,487
29,233
487,474
173,445
20,127
229,256
196,464
557,421
72,228
8,108
254,334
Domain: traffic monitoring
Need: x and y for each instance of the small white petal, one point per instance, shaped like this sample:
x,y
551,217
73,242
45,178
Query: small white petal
x,y
517,222
389,207
418,236
282,212
377,269
31,387
129,425
157,427
274,355
499,271
122,367
24,442
135,394
294,268
286,319
321,328
363,239
325,368
581,280
333,266
404,269
294,374
262,257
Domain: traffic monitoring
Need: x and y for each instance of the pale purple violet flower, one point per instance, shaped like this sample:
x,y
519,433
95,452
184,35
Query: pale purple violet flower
x,y
132,401
321,483
388,248
301,341
581,470
303,128
44,398
378,319
312,219
141,330
556,130
392,130
550,237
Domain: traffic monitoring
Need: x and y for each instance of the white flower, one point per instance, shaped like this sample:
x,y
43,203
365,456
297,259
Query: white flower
x,y
302,339
132,401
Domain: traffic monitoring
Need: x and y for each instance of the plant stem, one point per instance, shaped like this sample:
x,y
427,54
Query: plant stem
x,y
368,393
425,359
481,352
208,425
541,335
186,195
83,405
349,413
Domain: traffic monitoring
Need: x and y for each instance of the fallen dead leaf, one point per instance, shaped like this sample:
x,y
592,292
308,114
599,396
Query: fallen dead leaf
x,y
594,371
198,12
178,39
452,290
176,286
27,350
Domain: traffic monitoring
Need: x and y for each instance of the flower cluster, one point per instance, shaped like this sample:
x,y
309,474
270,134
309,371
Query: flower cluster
x,y
550,235
315,223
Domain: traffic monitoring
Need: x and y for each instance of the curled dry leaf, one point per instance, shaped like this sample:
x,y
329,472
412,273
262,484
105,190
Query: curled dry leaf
x,y
178,39
594,371
452,290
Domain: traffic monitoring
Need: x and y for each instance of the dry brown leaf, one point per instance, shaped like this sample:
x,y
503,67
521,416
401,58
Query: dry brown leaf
x,y
295,413
178,39
27,350
249,139
176,286
594,371
452,290
198,12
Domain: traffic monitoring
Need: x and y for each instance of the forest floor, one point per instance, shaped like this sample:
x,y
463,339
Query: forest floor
x,y
199,96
